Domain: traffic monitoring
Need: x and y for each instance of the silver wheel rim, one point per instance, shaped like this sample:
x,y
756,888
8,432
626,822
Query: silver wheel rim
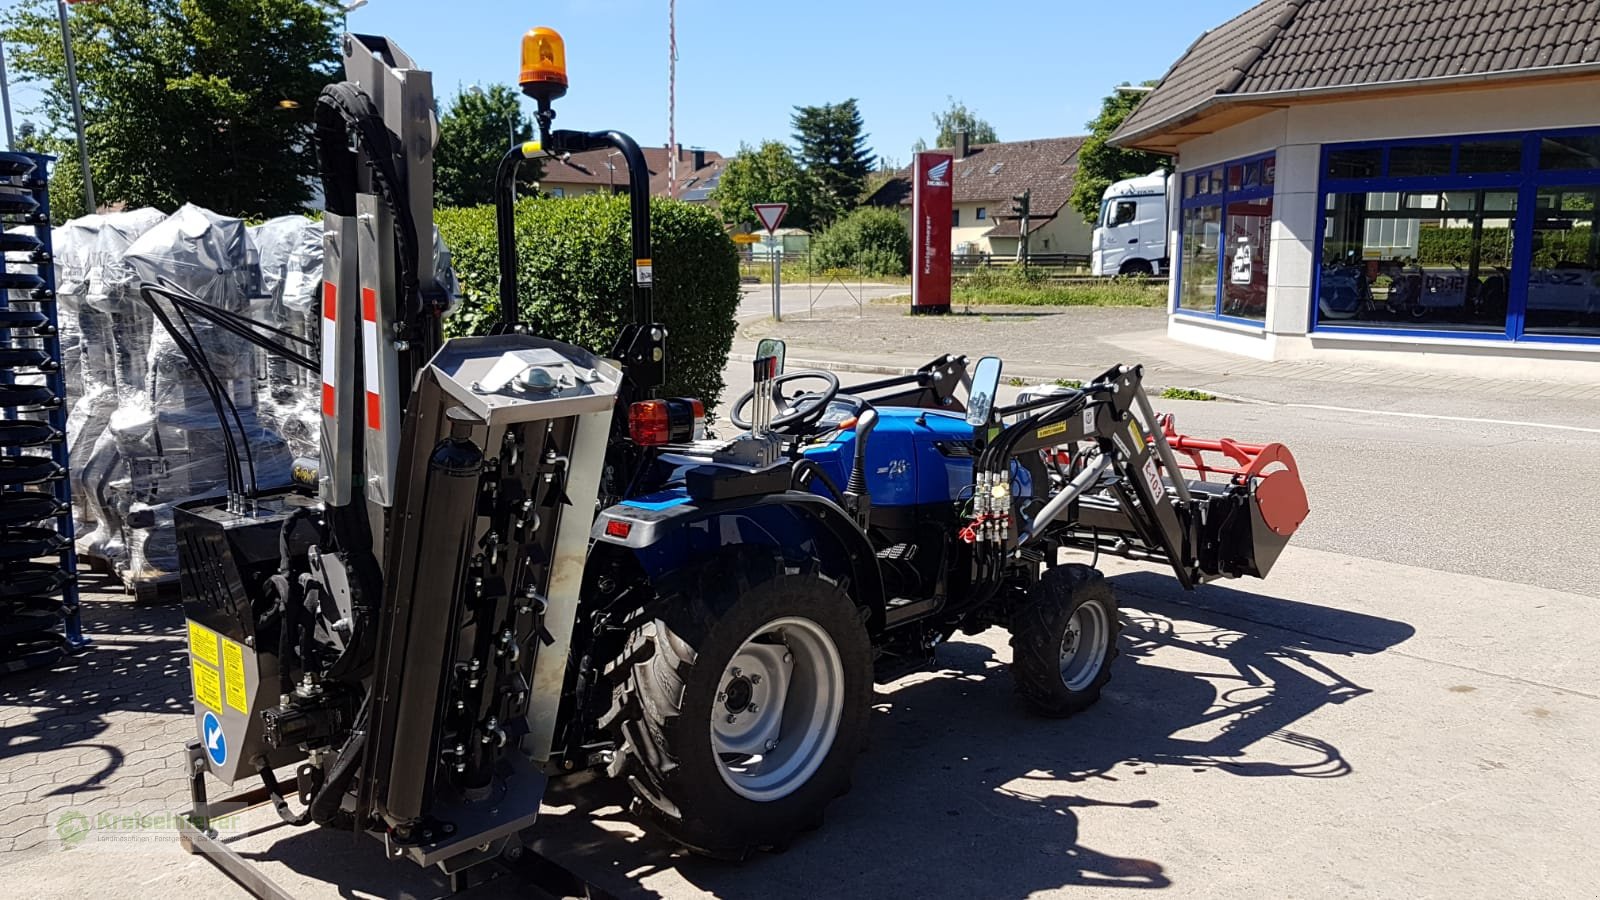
x,y
1083,646
777,709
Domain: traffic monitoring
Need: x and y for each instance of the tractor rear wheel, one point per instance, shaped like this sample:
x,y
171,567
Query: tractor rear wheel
x,y
742,707
1063,641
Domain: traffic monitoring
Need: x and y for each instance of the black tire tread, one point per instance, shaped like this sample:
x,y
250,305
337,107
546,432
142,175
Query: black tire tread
x,y
654,675
1036,630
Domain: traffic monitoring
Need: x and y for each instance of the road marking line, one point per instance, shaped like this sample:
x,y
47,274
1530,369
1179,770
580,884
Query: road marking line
x,y
1412,415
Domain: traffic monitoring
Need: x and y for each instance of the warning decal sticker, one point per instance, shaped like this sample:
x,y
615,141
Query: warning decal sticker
x,y
233,672
203,642
207,685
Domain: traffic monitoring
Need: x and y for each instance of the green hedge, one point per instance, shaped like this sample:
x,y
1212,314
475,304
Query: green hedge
x,y
575,272
1447,246
871,240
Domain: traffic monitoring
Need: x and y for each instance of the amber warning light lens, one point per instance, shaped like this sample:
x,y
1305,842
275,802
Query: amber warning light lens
x,y
544,64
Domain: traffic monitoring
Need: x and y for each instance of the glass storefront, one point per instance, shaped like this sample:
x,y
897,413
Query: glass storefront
x,y
1491,235
1227,232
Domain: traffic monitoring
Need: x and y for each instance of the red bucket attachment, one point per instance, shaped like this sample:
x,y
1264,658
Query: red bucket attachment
x,y
1267,474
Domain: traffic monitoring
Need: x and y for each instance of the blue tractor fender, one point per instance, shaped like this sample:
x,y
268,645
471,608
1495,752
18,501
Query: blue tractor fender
x,y
671,534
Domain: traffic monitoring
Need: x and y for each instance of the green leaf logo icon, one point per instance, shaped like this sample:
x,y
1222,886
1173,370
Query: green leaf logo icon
x,y
72,828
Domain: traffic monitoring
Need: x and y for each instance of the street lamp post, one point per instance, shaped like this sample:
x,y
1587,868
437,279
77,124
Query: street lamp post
x,y
349,8
77,107
611,171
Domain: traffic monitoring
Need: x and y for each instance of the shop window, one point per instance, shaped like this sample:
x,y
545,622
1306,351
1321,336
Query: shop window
x,y
1568,152
1249,222
1433,259
1564,279
1202,237
1464,256
1366,162
1226,227
1490,157
1419,160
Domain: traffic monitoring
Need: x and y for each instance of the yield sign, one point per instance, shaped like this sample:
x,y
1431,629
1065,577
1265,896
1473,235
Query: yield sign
x,y
770,214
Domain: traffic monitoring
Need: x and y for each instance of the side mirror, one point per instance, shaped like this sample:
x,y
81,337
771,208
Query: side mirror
x,y
985,381
771,347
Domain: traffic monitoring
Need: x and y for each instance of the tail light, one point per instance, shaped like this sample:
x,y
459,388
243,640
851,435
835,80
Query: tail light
x,y
679,420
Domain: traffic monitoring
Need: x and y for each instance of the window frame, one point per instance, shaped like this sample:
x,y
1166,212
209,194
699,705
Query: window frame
x,y
1218,194
1526,183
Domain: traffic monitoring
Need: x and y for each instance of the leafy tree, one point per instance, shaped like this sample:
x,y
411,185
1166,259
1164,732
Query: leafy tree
x,y
473,135
1100,164
765,174
833,146
204,101
955,119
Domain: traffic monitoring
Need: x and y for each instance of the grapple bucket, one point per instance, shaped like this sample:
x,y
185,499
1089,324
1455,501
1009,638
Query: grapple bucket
x,y
1253,496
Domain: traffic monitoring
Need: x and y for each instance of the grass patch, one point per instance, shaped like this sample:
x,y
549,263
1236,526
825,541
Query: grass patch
x,y
1072,383
1176,393
796,271
1108,292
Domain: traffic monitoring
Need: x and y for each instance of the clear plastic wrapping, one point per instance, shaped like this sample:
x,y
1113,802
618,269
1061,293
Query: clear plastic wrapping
x,y
144,432
291,285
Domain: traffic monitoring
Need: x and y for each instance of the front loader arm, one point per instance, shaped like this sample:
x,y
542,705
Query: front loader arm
x,y
1120,488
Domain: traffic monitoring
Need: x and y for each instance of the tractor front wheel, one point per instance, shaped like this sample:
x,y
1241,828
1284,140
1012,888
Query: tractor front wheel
x,y
741,708
1063,640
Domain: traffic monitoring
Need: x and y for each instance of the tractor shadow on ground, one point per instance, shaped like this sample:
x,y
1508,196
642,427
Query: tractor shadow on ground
x,y
964,793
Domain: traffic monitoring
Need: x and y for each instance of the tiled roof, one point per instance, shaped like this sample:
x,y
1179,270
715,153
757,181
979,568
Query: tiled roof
x,y
1299,45
590,169
998,172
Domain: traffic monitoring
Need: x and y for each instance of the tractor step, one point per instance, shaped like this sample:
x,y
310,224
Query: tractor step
x,y
902,552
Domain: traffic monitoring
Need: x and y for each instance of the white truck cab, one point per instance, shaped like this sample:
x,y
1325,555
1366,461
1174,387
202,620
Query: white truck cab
x,y
1130,237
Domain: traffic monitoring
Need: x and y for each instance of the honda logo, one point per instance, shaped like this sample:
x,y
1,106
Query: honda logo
x,y
939,176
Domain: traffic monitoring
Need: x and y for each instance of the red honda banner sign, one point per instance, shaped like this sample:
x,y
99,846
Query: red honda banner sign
x,y
930,233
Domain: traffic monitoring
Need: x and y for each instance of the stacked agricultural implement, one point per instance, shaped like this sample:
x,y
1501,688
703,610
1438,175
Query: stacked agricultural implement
x,y
38,586
143,427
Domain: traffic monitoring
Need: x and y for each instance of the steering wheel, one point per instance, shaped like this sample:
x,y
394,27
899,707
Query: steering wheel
x,y
790,414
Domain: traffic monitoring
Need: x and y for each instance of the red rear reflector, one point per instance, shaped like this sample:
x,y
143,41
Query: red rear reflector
x,y
618,529
650,423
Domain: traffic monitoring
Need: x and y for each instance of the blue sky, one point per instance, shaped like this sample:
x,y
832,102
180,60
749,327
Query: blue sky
x,y
1032,69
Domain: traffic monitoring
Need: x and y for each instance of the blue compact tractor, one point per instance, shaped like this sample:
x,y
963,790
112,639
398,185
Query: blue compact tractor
x,y
515,561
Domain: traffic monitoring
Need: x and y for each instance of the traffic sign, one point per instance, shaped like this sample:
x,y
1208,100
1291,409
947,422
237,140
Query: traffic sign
x,y
770,214
747,239
215,741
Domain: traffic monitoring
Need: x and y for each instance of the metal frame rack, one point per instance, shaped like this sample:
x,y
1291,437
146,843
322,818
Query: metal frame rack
x,y
39,617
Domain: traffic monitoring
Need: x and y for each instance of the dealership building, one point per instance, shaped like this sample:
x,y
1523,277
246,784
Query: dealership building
x,y
1417,178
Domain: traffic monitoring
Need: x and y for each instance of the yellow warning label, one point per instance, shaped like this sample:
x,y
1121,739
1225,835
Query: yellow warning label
x,y
233,675
207,685
1049,430
1138,436
203,642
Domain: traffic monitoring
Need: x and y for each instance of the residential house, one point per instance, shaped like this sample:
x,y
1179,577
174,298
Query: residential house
x,y
985,178
604,170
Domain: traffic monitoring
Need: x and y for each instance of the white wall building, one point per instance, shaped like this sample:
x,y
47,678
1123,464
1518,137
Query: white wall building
x,y
1420,180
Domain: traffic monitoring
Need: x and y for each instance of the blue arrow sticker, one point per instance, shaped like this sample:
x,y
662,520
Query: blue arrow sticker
x,y
216,743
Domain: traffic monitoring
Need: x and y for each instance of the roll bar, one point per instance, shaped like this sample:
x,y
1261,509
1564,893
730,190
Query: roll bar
x,y
556,144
